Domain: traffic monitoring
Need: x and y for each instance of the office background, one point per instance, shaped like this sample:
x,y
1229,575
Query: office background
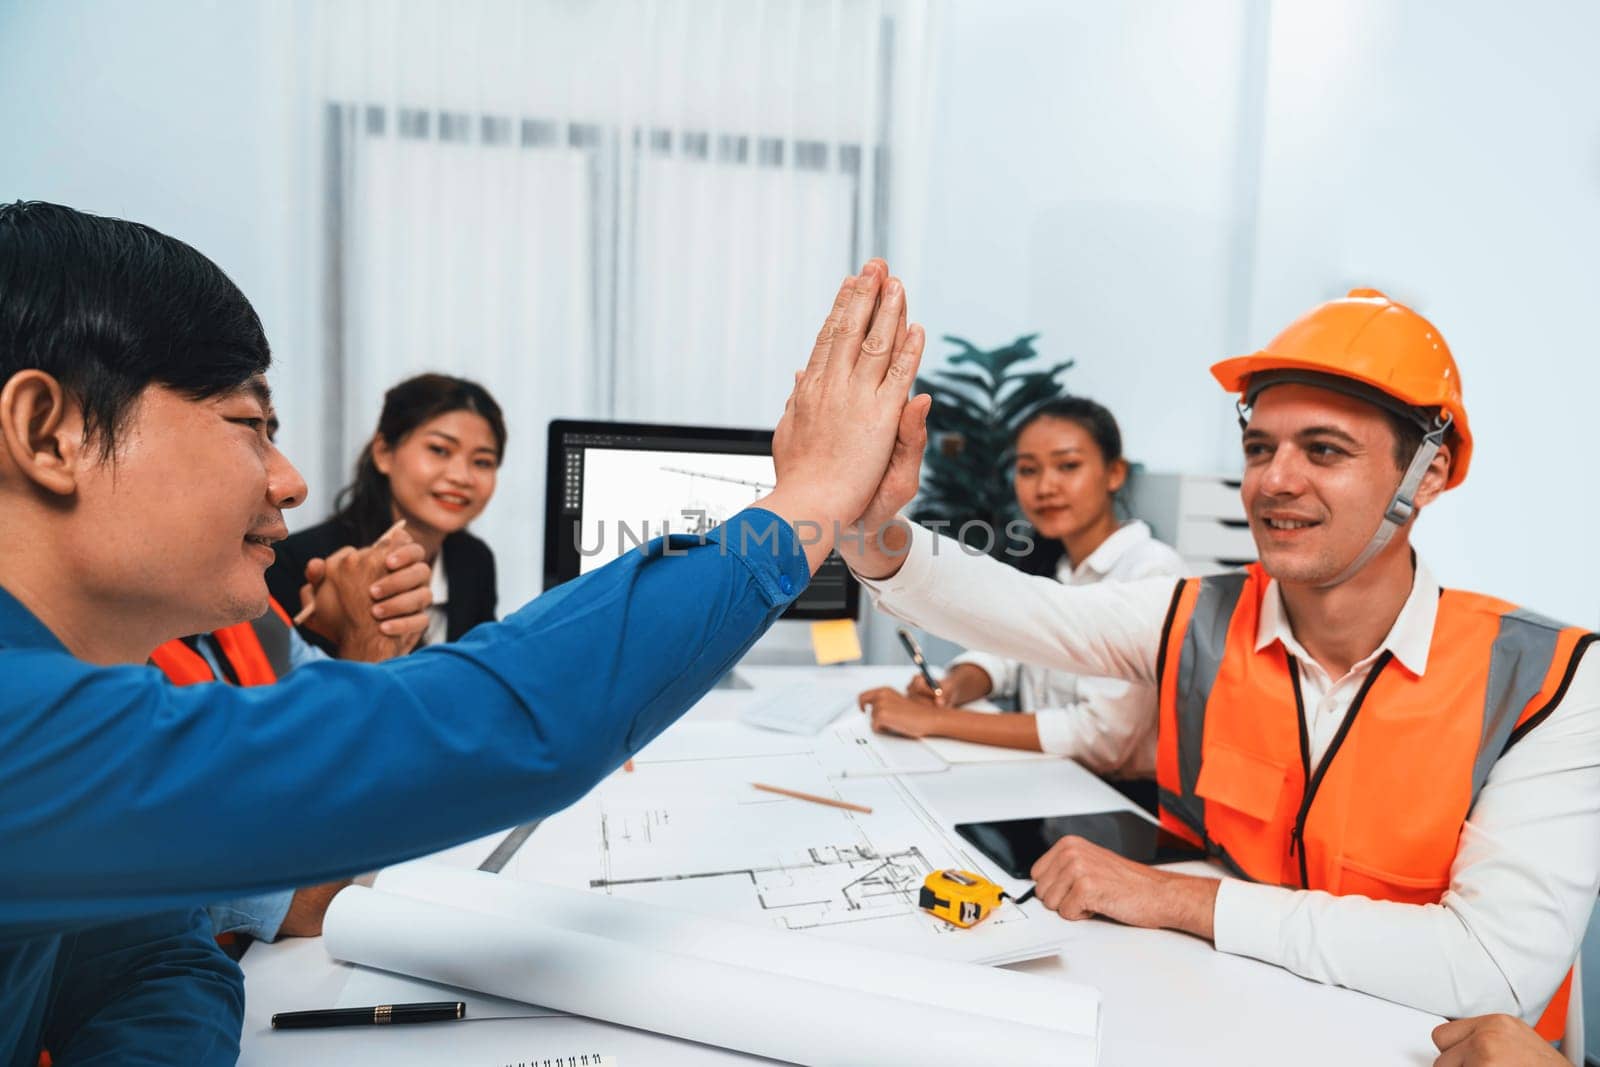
x,y
1147,185
637,210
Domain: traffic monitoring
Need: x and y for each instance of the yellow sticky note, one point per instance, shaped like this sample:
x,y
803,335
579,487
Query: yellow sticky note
x,y
836,641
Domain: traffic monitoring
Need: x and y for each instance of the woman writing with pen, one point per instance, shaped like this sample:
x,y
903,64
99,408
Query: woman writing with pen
x,y
1068,469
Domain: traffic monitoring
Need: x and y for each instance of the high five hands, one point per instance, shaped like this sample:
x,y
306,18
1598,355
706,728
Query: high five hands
x,y
850,442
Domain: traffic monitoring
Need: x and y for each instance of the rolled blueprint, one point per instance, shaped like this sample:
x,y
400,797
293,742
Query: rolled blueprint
x,y
1027,999
839,1015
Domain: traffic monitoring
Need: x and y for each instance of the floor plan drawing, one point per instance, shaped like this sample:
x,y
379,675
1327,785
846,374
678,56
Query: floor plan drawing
x,y
831,885
686,830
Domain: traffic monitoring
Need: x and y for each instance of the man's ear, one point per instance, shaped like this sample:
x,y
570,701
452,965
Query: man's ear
x,y
1434,479
382,454
41,431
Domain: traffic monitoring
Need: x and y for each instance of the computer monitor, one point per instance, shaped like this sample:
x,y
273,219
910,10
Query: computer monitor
x,y
612,485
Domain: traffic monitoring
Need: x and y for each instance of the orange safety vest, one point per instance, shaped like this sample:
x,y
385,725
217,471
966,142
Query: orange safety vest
x,y
1382,814
256,652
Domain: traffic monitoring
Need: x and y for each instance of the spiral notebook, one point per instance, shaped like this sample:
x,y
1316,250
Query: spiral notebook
x,y
587,1059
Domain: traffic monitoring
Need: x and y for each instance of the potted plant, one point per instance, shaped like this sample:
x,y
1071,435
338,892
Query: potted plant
x,y
979,401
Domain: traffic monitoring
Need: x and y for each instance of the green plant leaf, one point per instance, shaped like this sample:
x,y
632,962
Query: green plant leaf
x,y
1017,351
956,413
961,342
946,377
982,406
1025,398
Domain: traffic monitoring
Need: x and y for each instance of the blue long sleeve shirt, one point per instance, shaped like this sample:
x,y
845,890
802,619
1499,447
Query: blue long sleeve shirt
x,y
122,796
140,993
259,916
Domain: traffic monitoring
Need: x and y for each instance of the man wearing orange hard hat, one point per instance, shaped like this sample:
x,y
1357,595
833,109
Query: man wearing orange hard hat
x,y
1368,347
1403,779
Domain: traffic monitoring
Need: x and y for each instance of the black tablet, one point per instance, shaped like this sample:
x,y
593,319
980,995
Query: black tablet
x,y
1017,844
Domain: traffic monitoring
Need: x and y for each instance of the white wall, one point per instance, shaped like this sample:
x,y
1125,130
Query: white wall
x,y
177,114
1081,187
1093,176
1155,186
1450,154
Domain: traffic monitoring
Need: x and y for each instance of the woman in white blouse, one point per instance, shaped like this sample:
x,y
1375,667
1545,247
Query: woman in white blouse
x,y
1068,469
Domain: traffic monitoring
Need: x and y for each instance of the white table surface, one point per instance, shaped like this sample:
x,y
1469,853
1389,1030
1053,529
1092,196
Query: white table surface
x,y
1167,998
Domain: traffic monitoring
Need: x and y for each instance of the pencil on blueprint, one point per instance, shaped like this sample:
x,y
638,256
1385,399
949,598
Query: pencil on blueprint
x,y
813,798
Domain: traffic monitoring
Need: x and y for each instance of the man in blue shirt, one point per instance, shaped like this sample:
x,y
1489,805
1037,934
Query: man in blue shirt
x,y
266,916
265,649
139,496
299,912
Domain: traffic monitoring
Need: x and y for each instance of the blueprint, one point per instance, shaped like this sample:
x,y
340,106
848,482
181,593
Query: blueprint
x,y
686,830
786,996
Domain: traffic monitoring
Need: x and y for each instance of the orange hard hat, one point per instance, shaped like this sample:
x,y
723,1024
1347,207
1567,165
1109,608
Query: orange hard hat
x,y
1372,340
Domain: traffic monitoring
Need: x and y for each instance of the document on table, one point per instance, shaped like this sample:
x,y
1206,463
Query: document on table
x,y
955,752
762,991
686,830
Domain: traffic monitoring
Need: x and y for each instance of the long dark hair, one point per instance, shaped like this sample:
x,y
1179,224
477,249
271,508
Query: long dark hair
x,y
1101,426
365,507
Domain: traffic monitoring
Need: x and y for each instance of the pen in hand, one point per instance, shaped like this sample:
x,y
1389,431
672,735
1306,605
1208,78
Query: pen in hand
x,y
915,652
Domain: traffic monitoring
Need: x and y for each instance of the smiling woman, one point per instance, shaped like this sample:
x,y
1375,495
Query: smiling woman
x,y
433,462
1068,469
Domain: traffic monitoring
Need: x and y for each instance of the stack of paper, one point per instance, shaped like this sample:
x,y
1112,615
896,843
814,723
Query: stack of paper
x,y
765,992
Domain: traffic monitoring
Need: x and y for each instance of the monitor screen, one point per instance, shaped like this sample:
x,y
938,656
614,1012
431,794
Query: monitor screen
x,y
611,486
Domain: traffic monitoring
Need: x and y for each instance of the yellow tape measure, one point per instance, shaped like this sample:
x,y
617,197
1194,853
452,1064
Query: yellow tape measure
x,y
960,897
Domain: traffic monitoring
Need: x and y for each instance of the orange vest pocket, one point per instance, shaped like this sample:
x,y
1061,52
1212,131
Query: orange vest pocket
x,y
1241,780
1366,880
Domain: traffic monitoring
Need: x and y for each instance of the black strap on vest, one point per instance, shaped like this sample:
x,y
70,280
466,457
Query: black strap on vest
x,y
216,658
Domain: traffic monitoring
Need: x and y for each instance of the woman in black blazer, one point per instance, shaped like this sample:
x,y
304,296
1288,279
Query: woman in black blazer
x,y
433,462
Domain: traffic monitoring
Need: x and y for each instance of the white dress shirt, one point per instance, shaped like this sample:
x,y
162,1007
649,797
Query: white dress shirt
x,y
1527,867
438,631
1107,724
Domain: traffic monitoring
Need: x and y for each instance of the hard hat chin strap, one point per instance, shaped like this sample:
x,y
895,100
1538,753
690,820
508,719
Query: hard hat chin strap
x,y
1403,504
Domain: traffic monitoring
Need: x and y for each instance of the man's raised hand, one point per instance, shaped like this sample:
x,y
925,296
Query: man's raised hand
x,y
847,412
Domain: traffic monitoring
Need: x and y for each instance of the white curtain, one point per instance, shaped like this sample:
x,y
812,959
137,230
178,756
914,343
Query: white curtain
x,y
633,210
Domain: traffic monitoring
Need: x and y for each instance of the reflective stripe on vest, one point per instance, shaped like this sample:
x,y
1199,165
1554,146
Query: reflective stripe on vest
x,y
1381,814
1204,642
256,651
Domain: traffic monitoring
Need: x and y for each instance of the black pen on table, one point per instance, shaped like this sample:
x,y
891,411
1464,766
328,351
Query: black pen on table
x,y
915,652
434,1011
